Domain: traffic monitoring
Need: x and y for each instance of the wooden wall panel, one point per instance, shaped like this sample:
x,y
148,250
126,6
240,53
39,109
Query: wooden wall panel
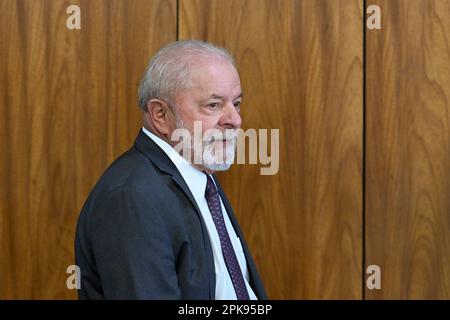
x,y
408,150
68,105
301,71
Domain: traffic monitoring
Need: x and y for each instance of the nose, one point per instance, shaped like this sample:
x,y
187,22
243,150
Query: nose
x,y
231,119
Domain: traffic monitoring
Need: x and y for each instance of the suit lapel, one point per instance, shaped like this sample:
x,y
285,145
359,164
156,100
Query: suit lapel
x,y
160,159
164,164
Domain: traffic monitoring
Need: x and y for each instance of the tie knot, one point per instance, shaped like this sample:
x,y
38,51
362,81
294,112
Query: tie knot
x,y
210,187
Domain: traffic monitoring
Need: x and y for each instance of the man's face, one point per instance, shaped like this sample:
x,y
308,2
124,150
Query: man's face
x,y
214,99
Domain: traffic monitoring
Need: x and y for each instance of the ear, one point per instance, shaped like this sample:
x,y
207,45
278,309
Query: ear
x,y
161,116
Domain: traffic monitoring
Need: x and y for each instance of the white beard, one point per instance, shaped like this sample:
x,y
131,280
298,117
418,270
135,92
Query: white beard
x,y
215,158
208,152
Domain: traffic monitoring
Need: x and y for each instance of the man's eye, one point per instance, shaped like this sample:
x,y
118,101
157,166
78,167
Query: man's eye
x,y
237,104
213,105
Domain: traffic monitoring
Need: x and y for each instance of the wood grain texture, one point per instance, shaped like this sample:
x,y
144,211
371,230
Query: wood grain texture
x,y
301,71
408,150
68,105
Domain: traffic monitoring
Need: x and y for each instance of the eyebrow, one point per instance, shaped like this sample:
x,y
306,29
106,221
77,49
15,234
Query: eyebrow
x,y
216,96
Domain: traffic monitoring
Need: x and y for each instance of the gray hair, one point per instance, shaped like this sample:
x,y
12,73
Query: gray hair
x,y
169,69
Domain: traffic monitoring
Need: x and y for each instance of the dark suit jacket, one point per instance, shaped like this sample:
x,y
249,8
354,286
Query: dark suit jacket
x,y
140,234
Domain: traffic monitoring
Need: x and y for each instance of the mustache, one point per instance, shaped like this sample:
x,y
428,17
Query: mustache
x,y
228,136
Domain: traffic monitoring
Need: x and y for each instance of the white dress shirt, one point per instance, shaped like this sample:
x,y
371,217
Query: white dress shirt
x,y
196,181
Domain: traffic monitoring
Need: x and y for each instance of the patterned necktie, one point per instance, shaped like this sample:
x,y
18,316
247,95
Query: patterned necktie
x,y
213,199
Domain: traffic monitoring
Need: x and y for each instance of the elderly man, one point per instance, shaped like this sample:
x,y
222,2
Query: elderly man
x,y
157,225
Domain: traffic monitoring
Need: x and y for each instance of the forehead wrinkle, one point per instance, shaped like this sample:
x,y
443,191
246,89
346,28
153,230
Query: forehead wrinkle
x,y
217,96
206,81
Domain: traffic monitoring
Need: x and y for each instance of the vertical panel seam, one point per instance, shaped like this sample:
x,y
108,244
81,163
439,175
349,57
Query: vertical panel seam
x,y
364,156
177,35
